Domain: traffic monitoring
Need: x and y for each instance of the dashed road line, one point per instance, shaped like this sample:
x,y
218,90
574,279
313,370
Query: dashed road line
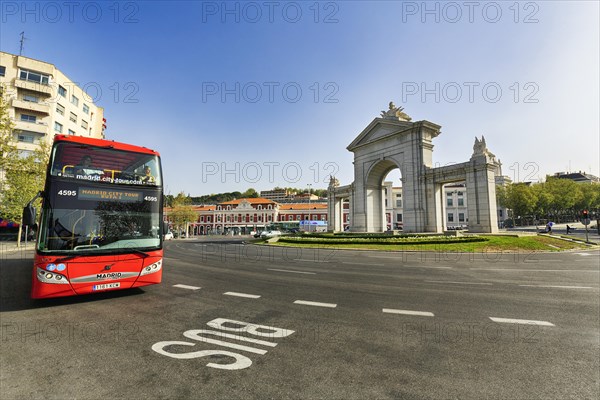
x,y
293,272
186,287
559,287
408,312
521,321
248,296
584,254
365,264
316,304
533,270
422,266
462,283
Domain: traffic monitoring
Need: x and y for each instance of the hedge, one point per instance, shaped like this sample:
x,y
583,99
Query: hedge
x,y
388,241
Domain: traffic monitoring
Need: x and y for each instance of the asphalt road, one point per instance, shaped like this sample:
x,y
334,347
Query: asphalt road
x,y
241,321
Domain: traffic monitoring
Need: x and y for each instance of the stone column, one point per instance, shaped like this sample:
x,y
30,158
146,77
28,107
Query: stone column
x,y
481,194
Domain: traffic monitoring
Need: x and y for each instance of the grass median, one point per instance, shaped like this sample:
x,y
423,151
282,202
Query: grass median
x,y
491,243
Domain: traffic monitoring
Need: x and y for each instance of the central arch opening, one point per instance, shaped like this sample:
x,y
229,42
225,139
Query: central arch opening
x,y
384,197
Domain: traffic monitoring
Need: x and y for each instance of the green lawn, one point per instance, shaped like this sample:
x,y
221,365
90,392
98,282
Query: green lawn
x,y
493,243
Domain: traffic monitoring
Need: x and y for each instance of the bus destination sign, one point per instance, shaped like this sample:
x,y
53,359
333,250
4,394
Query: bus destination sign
x,y
109,195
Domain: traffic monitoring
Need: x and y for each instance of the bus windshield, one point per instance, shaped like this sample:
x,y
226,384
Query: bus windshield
x,y
104,164
83,217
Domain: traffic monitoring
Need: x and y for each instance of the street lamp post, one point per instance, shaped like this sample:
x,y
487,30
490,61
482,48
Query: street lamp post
x,y
309,185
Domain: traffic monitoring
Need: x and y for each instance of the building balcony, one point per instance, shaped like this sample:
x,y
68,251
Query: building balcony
x,y
43,108
38,127
36,87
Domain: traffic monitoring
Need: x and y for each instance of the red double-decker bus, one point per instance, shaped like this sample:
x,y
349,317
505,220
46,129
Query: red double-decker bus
x,y
100,226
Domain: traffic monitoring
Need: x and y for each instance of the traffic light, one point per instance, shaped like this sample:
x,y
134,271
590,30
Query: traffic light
x,y
585,214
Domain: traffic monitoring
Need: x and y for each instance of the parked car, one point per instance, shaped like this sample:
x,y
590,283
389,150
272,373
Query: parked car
x,y
168,236
269,234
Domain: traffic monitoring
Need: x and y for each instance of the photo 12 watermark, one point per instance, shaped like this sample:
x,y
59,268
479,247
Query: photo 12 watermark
x,y
253,12
267,171
52,12
270,92
69,332
453,12
470,92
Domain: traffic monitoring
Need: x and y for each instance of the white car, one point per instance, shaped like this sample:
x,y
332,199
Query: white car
x,y
270,234
168,236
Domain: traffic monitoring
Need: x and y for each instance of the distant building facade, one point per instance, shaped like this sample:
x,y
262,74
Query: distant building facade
x,y
579,177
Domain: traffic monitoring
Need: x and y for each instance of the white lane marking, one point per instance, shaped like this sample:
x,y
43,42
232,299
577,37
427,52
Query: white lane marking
x,y
293,272
407,312
249,296
186,287
365,264
532,270
422,266
316,304
559,287
462,283
319,261
521,321
584,254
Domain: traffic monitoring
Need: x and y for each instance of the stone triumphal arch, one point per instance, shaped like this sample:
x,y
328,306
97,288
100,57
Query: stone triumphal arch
x,y
393,141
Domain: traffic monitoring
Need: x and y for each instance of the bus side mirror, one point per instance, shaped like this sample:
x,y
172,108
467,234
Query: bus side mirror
x,y
29,215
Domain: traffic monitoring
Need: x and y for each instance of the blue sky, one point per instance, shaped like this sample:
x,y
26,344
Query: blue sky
x,y
303,79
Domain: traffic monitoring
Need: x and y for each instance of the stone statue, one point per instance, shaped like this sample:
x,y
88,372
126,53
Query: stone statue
x,y
333,182
480,148
395,113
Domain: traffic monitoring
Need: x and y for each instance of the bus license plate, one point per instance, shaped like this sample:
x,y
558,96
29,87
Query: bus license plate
x,y
107,286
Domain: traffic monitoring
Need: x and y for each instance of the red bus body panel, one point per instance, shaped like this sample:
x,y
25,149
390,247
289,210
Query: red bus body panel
x,y
85,275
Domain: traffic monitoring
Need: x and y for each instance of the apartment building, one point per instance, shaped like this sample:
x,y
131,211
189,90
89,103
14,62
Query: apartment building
x,y
44,102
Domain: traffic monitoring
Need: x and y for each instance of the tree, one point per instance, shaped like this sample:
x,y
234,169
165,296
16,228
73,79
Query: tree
x,y
250,194
182,212
21,175
521,199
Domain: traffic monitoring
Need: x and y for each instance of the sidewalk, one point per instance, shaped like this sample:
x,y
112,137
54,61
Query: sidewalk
x,y
11,246
561,230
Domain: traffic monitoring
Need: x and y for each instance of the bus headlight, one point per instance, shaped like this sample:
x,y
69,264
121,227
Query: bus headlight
x,y
152,268
51,277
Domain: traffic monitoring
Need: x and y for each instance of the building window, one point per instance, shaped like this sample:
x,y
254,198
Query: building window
x,y
2,70
84,124
461,201
74,100
58,127
60,109
30,98
71,132
28,118
62,91
25,138
449,201
398,217
398,203
86,109
25,153
450,217
500,213
460,193
73,117
461,217
32,76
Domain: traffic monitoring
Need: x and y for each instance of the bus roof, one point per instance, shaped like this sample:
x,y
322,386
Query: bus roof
x,y
103,143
